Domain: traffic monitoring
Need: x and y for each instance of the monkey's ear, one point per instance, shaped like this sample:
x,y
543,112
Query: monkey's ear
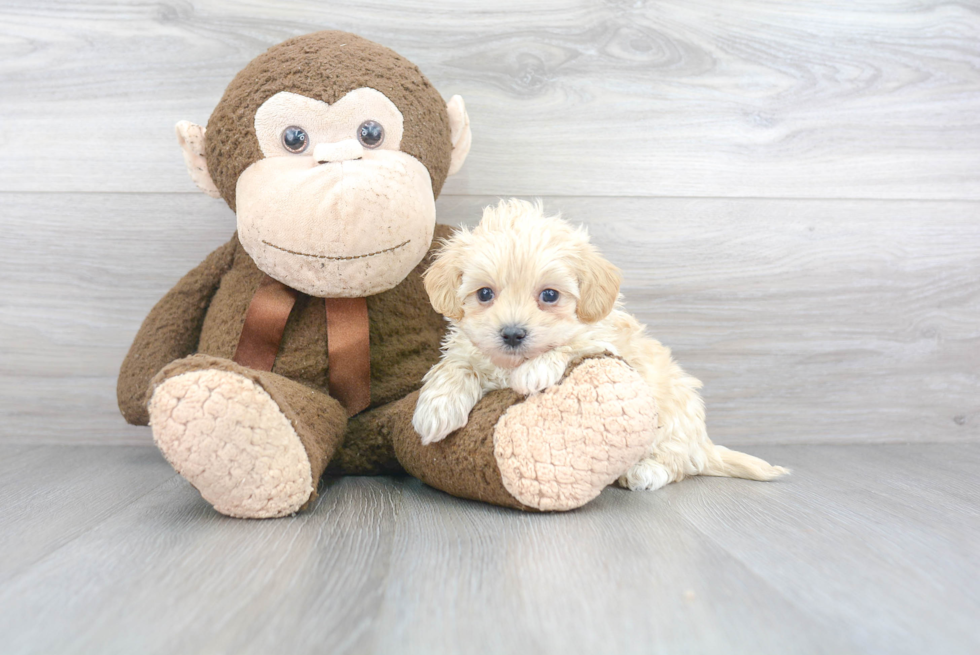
x,y
599,284
459,126
442,282
191,140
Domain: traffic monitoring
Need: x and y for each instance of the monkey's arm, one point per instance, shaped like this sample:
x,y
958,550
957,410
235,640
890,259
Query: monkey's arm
x,y
170,331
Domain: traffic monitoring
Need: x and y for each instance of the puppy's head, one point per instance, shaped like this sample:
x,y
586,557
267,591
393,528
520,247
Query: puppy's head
x,y
521,283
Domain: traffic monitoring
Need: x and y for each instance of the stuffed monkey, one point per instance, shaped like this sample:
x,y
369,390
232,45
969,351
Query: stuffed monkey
x,y
302,342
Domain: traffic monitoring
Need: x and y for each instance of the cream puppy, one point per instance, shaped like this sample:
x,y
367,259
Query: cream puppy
x,y
525,294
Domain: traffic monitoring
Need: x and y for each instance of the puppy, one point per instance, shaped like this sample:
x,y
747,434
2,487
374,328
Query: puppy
x,y
525,294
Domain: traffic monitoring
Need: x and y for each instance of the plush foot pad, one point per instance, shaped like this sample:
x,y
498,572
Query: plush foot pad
x,y
228,437
559,449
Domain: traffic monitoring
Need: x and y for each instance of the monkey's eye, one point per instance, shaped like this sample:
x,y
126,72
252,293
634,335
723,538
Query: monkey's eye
x,y
549,296
485,294
295,139
371,134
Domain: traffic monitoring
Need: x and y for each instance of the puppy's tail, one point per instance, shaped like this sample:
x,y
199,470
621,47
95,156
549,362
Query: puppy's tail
x,y
733,464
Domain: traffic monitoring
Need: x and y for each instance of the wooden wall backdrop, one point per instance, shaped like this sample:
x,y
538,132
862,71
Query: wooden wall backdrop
x,y
792,187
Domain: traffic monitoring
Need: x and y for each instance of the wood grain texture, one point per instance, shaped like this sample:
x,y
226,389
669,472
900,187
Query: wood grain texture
x,y
51,495
865,549
763,98
809,321
863,517
602,579
9,452
263,578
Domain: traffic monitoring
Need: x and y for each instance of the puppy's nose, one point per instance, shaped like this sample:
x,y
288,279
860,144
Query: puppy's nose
x,y
513,336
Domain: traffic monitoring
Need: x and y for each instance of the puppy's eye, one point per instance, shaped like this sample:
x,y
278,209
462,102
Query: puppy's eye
x,y
295,139
549,296
485,294
371,134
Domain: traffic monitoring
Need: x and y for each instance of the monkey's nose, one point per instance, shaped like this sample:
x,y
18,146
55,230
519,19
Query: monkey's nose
x,y
513,336
345,150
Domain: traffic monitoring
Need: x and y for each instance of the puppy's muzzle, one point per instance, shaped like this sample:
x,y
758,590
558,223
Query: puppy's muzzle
x,y
513,336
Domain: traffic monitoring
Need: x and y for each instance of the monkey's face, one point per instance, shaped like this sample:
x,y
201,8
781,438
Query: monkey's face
x,y
334,208
331,150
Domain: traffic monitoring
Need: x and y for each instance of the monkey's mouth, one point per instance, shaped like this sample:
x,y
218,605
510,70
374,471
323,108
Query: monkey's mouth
x,y
332,258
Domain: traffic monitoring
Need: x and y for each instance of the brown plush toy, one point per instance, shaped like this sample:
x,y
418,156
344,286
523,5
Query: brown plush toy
x,y
302,342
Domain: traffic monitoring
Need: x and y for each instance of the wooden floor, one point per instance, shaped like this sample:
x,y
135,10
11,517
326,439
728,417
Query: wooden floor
x,y
865,549
792,189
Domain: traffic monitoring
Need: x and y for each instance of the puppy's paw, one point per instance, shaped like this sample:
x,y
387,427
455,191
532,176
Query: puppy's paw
x,y
537,374
437,416
646,475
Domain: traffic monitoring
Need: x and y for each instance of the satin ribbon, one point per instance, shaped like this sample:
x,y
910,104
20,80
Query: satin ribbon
x,y
348,340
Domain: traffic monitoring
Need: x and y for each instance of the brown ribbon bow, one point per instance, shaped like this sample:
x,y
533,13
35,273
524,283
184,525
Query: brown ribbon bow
x,y
348,340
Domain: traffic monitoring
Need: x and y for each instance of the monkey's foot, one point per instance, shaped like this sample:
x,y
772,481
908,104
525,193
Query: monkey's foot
x,y
559,449
229,439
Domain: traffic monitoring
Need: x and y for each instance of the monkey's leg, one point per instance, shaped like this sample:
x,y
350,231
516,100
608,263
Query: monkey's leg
x,y
553,451
253,443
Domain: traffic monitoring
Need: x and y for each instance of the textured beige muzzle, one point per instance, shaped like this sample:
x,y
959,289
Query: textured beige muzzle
x,y
344,229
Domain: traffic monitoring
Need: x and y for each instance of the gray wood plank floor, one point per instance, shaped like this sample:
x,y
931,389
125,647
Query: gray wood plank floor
x,y
865,549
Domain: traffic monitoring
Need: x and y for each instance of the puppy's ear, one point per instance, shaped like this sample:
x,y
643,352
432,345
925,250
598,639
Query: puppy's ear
x,y
599,284
442,282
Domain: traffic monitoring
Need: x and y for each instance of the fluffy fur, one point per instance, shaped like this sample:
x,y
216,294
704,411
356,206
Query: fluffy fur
x,y
518,253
